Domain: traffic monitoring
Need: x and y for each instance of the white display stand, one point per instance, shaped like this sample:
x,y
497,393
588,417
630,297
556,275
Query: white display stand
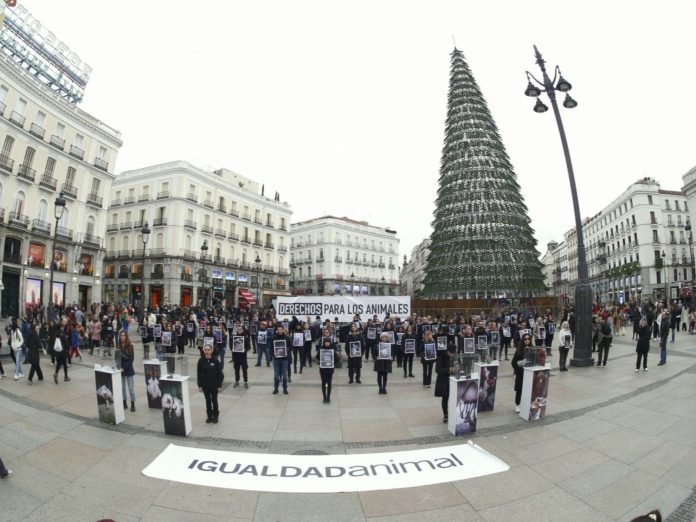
x,y
488,375
535,387
176,407
462,414
154,370
109,394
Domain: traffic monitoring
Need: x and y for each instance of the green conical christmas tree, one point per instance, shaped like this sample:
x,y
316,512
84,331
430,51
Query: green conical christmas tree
x,y
482,241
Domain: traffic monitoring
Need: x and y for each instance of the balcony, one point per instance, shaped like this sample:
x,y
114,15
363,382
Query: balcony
x,y
91,239
192,197
41,227
130,200
234,212
338,259
189,254
156,275
27,173
269,224
48,181
186,277
282,248
280,287
392,267
258,220
246,216
37,130
95,200
112,227
208,203
164,194
221,207
69,190
57,142
157,252
143,197
246,240
159,222
127,225
138,224
2,109
6,163
17,119
18,220
123,275
77,152
64,233
206,229
220,233
284,228
190,224
101,164
258,242
268,245
218,260
381,265
233,237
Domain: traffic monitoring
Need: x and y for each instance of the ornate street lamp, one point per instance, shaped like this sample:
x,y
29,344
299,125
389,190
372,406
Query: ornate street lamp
x,y
145,232
258,280
582,354
352,284
204,254
58,209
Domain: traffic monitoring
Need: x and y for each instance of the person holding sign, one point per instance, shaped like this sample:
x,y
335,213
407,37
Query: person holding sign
x,y
264,341
371,338
220,337
326,367
539,332
428,354
526,342
306,352
240,346
281,343
355,346
408,348
298,341
209,382
505,332
383,355
565,339
443,370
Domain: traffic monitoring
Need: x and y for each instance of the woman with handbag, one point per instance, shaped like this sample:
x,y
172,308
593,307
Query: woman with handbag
x,y
127,371
16,343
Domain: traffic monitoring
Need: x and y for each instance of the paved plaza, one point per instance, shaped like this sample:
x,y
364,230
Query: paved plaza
x,y
614,444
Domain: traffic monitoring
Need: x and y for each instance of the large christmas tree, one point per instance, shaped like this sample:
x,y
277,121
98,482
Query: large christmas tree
x,y
482,241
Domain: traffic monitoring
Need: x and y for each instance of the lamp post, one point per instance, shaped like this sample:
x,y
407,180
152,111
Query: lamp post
x,y
352,284
292,278
582,354
383,290
257,261
145,232
58,209
666,271
204,254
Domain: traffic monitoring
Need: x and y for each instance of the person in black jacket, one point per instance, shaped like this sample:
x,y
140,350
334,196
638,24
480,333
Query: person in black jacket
x,y
239,357
442,369
664,334
354,358
326,373
408,357
383,366
209,382
127,371
525,342
34,347
643,345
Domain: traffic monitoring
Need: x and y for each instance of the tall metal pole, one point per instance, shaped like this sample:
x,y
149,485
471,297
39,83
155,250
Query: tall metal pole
x,y
145,236
582,354
58,209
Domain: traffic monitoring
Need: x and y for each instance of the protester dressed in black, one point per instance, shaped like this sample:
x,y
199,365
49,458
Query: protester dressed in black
x,y
326,374
408,357
427,363
526,342
354,359
239,359
383,367
442,369
209,382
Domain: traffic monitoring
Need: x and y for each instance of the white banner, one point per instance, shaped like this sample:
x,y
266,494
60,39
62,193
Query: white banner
x,y
345,307
324,473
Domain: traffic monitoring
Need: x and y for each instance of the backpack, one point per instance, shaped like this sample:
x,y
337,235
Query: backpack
x,y
605,329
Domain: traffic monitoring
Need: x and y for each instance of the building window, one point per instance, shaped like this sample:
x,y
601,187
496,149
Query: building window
x,y
96,183
650,201
7,146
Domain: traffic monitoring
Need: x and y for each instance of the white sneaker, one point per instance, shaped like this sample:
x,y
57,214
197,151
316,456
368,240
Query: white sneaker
x,y
517,409
16,376
636,370
644,369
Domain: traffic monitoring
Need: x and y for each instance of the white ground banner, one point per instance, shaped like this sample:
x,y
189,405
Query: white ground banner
x,y
323,473
345,307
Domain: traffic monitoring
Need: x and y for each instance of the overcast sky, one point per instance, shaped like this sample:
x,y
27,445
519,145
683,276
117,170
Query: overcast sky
x,y
340,106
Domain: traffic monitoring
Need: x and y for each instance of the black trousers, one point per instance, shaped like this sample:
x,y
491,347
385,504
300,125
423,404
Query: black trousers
x,y
427,372
408,364
382,380
326,378
602,347
353,371
563,351
35,368
244,366
62,361
296,358
639,356
211,402
445,400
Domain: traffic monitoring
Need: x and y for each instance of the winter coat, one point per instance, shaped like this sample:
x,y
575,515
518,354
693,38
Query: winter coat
x,y
519,372
381,365
643,345
127,363
355,362
442,369
34,346
209,375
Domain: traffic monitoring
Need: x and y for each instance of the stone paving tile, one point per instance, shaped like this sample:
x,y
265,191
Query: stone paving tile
x,y
625,444
684,471
164,514
683,431
549,449
15,502
595,479
426,431
566,466
456,513
372,413
420,417
27,429
107,440
584,428
617,499
650,422
552,504
65,458
364,430
492,490
208,501
666,499
662,459
411,500
326,435
309,507
64,508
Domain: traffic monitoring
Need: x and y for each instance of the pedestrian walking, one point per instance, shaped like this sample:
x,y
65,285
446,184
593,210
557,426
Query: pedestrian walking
x,y
34,350
664,334
58,344
16,344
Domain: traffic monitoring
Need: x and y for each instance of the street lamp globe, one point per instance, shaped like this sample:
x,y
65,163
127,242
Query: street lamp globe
x,y
59,207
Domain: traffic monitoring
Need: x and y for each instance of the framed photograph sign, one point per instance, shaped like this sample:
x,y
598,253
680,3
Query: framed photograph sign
x,y
326,358
469,346
280,349
410,346
384,351
238,344
429,352
355,349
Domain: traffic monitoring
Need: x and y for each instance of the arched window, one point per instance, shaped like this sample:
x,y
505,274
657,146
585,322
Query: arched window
x,y
64,219
42,211
7,147
19,203
268,259
218,250
244,255
231,256
159,241
90,226
125,243
112,244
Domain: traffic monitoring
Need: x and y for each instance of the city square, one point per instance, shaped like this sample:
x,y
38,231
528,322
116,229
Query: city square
x,y
289,299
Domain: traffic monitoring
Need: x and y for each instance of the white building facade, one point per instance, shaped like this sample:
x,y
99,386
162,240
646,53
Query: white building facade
x,y
637,247
246,237
336,255
50,146
411,279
